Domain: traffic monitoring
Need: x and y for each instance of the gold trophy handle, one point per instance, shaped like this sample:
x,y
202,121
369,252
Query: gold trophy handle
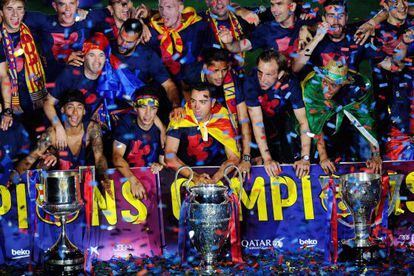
x,y
239,175
186,183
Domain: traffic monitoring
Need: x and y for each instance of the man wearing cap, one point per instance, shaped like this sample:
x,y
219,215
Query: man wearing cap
x,y
26,83
203,137
84,79
137,140
81,133
331,95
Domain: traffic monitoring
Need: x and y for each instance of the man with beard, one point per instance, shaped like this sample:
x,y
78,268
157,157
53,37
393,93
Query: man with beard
x,y
144,63
271,96
218,15
203,137
337,101
25,90
177,34
281,34
81,134
333,40
393,89
84,79
138,141
61,36
217,72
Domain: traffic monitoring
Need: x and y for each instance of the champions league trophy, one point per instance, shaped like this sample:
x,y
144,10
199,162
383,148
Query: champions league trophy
x,y
208,217
62,198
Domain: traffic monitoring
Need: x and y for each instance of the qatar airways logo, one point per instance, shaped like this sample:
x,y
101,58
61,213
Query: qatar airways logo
x,y
308,243
21,253
263,244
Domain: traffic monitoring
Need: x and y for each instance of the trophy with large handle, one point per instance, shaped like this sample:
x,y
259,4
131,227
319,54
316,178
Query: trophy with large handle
x,y
62,198
208,216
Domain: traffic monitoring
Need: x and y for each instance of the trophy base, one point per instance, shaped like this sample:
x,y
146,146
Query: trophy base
x,y
69,264
361,256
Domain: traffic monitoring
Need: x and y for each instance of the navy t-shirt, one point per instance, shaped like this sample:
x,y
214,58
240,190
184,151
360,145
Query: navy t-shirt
x,y
143,147
192,38
192,74
193,151
145,64
56,42
73,78
275,100
272,35
345,50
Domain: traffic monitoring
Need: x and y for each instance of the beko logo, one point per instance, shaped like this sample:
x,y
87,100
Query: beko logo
x,y
21,253
308,242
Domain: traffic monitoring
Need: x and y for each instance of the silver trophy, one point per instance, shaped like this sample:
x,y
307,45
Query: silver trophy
x,y
361,193
62,198
208,217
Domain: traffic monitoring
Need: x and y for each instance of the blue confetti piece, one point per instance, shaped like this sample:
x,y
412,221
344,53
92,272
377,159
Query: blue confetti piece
x,y
253,145
330,125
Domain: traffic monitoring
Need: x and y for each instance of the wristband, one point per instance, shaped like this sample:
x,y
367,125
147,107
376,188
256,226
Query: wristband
x,y
8,112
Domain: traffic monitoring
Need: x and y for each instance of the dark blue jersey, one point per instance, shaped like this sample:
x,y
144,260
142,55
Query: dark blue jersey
x,y
145,64
74,78
143,147
193,151
271,35
56,42
282,97
192,38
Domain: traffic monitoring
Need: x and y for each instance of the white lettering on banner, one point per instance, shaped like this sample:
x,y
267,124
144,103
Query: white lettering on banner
x,y
20,253
308,242
119,247
262,244
278,243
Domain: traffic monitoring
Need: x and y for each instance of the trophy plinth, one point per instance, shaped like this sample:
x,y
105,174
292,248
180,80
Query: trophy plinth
x,y
61,199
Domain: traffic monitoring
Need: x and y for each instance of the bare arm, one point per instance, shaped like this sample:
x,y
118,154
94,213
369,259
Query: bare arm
x,y
272,168
137,189
233,46
6,121
304,55
172,92
43,144
232,159
326,164
304,130
245,127
50,111
368,28
95,136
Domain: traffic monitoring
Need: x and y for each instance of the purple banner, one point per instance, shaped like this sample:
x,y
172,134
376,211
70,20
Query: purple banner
x,y
282,213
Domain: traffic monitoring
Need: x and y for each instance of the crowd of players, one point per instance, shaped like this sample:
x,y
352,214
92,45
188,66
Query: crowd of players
x,y
126,86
